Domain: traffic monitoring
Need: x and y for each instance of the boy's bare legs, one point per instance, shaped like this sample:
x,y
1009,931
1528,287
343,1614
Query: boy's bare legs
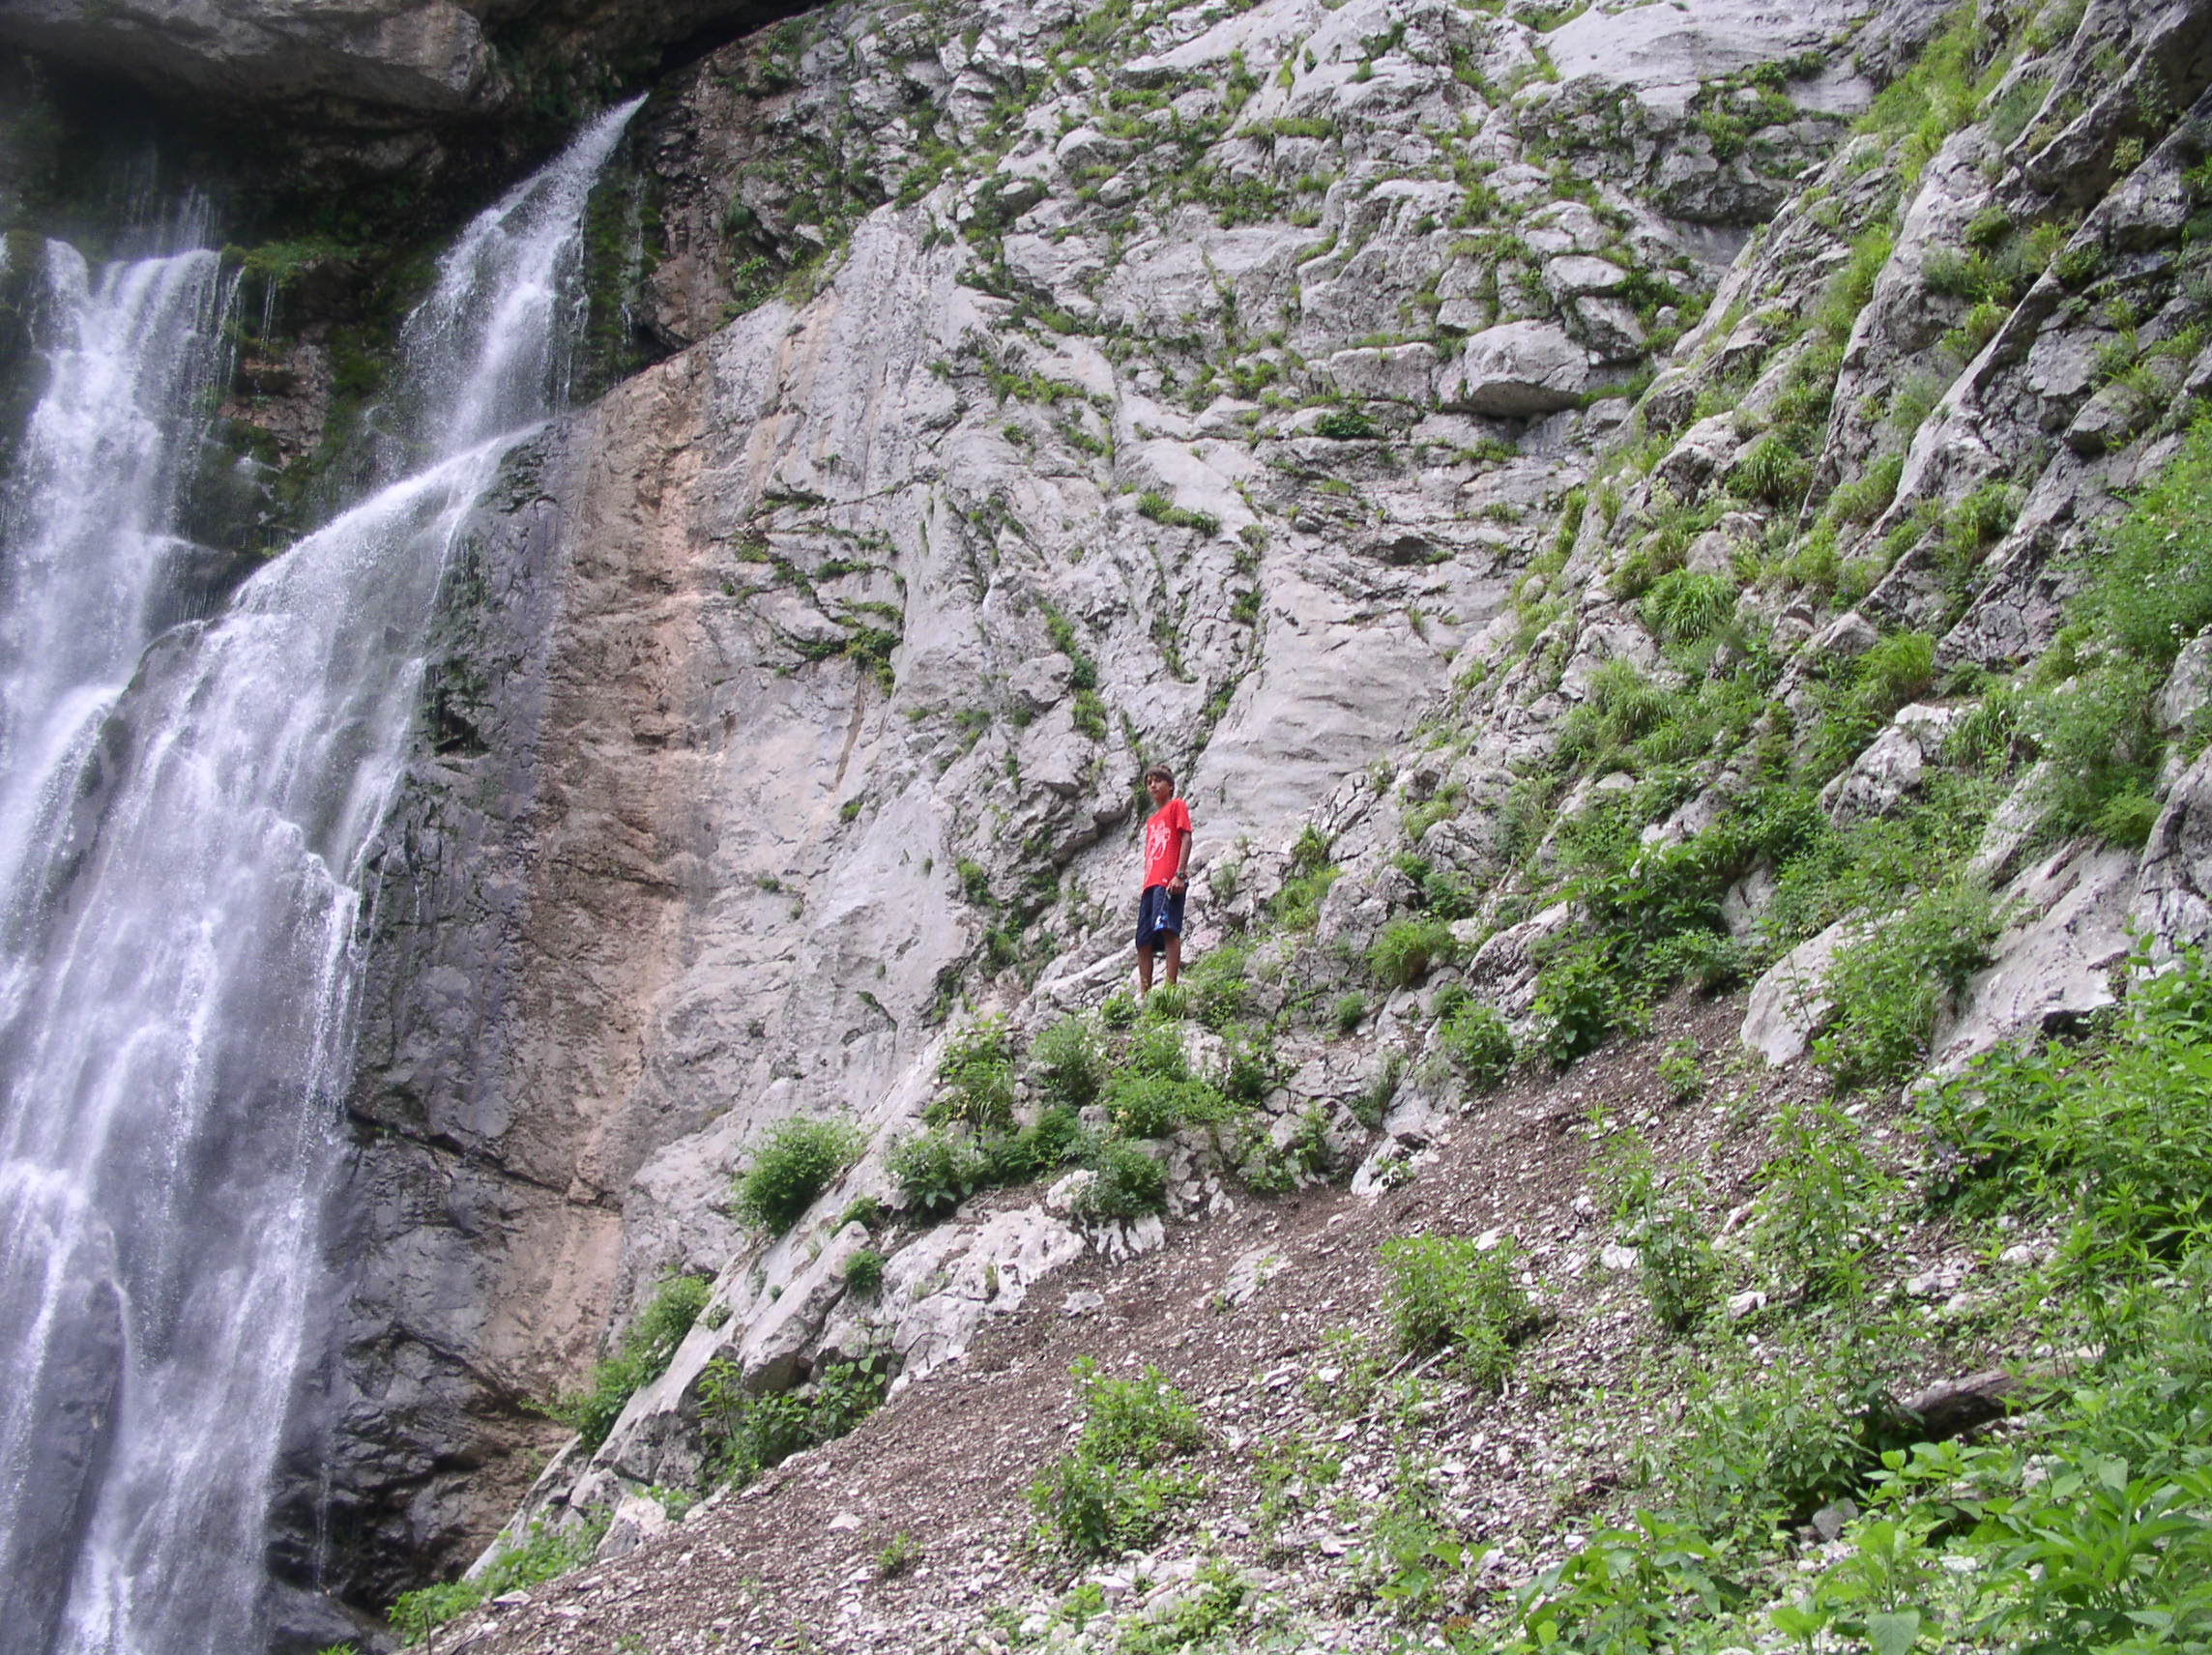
x,y
1145,967
1174,961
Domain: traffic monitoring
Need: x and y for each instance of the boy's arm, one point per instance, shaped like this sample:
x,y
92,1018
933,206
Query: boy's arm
x,y
1182,859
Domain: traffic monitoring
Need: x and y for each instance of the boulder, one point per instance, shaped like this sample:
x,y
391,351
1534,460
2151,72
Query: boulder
x,y
1790,1003
2175,897
1888,771
1516,371
2057,963
1395,373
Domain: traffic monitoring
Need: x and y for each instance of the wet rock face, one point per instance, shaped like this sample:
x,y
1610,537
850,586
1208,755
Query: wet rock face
x,y
423,56
380,63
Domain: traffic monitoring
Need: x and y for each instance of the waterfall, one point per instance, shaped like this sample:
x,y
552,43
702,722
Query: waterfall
x,y
183,904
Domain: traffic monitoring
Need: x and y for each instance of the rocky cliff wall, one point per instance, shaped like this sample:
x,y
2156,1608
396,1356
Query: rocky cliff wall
x,y
1477,449
1143,418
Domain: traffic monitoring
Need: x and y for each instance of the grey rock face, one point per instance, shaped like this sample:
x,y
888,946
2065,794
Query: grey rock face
x,y
423,56
1516,370
798,696
1664,53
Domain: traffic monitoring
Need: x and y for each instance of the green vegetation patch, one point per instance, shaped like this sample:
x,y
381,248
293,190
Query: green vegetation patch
x,y
1115,1490
794,1161
648,1346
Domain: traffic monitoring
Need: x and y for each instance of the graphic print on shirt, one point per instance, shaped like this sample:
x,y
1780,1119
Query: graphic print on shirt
x,y
1163,843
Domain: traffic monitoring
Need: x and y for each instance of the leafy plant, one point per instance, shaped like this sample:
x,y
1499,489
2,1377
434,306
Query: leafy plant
x,y
1890,988
1686,605
1125,1182
1146,1105
864,1273
750,1432
648,1346
791,1166
1822,1203
541,1554
1476,1039
1111,1492
938,1168
1069,1062
899,1553
1407,950
1448,1294
1343,424
1682,1071
977,1073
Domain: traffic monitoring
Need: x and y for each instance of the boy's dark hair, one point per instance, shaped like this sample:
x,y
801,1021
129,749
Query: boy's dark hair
x,y
1162,771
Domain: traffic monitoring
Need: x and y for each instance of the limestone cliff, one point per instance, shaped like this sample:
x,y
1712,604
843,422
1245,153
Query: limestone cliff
x,y
1311,398
1493,452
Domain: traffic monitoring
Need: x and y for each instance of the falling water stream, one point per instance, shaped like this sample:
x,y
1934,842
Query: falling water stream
x,y
185,823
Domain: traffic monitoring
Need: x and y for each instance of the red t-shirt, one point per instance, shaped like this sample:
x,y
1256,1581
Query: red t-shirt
x,y
1163,841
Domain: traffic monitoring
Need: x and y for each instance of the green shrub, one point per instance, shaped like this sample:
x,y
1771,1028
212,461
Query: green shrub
x,y
937,1170
1348,1011
2149,592
1161,509
749,1433
1069,1062
1373,1100
1823,1202
864,1273
1296,907
648,1346
1676,1267
1156,1050
1120,1011
1447,1293
1686,606
1773,471
977,1074
2117,1135
1898,669
1620,706
1890,988
1343,424
1438,892
1408,949
1587,994
1251,1072
540,1556
1478,1043
1220,990
1127,1182
1056,1140
1149,1104
1785,1442
1110,1493
1867,496
794,1163
1682,1071
1169,1003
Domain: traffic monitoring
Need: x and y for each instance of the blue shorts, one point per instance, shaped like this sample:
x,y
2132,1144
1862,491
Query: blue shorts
x,y
1159,913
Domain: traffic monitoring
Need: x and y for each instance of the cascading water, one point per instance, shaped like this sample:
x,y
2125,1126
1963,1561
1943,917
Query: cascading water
x,y
185,889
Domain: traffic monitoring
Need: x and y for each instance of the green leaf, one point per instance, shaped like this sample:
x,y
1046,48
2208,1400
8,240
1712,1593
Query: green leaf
x,y
1797,1620
1893,1633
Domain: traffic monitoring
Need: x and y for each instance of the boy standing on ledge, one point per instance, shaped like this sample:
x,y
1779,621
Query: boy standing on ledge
x,y
1167,876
